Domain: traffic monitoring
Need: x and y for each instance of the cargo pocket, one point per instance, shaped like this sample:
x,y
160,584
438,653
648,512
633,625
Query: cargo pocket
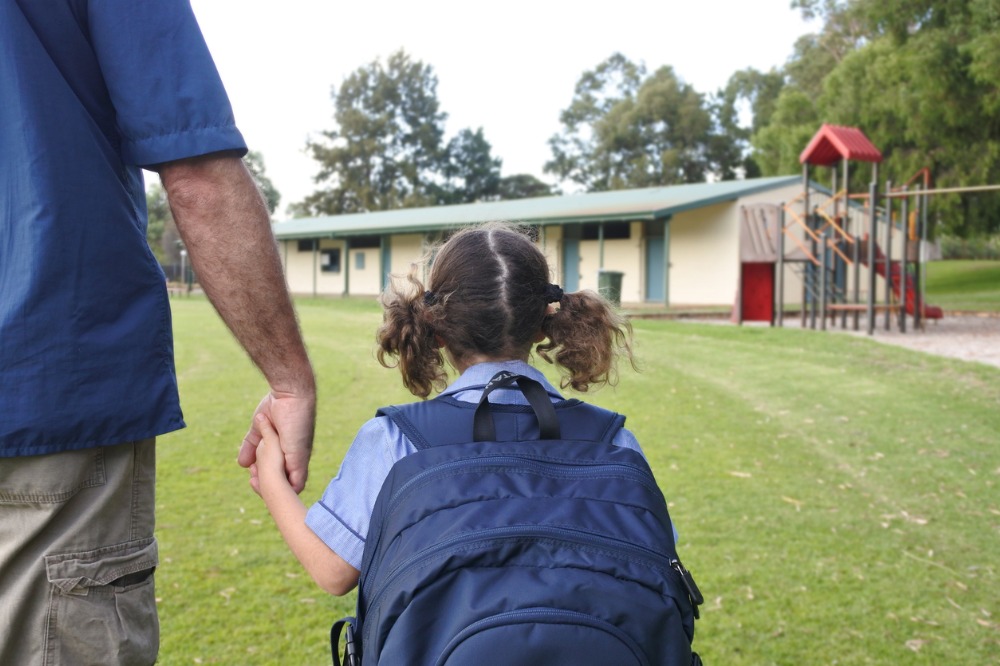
x,y
102,606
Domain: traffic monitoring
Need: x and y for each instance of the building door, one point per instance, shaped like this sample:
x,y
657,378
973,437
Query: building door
x,y
757,291
656,276
571,258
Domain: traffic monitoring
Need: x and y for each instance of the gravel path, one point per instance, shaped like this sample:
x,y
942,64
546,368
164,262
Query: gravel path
x,y
967,337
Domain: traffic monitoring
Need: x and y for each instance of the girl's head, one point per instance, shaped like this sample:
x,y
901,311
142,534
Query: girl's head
x,y
489,297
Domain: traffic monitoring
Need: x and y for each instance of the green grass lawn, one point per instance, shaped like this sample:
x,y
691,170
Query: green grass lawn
x,y
964,285
838,500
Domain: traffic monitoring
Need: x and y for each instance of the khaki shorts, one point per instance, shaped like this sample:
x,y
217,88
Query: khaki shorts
x,y
77,556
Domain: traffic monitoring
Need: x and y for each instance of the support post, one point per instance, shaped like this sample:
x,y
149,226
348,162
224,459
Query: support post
x,y
806,274
903,262
847,229
888,254
600,246
315,255
347,267
780,268
872,228
666,262
918,273
823,277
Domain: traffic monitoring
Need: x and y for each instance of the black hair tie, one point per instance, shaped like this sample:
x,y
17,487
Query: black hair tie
x,y
430,298
553,293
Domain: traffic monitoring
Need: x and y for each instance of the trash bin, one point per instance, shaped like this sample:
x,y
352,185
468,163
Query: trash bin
x,y
609,284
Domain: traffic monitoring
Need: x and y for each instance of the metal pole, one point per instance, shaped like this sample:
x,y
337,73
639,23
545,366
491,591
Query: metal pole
x,y
814,302
823,277
856,258
872,228
903,272
806,274
888,257
847,230
836,211
921,266
780,267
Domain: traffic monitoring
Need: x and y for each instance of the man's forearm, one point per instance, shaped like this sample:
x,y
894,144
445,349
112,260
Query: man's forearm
x,y
224,223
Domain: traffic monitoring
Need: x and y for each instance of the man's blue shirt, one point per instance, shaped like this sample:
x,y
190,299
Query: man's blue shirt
x,y
90,92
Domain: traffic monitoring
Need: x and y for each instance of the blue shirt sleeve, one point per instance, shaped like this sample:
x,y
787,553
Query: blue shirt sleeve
x,y
341,517
169,100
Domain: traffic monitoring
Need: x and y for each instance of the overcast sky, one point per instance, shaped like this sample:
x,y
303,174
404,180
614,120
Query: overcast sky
x,y
508,67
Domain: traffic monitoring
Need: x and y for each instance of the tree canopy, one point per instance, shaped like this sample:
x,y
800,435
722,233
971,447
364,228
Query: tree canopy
x,y
255,163
624,128
388,149
920,78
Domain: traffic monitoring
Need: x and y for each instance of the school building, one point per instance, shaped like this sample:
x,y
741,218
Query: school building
x,y
676,245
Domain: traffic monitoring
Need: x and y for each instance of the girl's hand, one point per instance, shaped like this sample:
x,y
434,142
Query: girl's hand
x,y
269,467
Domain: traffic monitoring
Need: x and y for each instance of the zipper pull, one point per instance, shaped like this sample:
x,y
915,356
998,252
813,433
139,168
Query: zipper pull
x,y
694,594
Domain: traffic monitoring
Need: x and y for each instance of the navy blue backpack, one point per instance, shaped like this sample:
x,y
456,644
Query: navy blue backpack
x,y
519,534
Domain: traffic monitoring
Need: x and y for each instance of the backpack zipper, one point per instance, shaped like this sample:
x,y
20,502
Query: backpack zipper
x,y
565,535
572,469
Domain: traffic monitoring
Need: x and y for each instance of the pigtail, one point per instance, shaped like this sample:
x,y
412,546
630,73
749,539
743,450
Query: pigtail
x,y
586,337
406,337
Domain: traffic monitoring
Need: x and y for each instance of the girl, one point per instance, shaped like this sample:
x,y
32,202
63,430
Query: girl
x,y
487,303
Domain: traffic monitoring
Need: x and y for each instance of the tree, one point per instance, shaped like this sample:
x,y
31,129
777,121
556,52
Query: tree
x,y
575,151
471,172
255,163
777,145
161,232
625,130
922,82
749,94
523,186
387,147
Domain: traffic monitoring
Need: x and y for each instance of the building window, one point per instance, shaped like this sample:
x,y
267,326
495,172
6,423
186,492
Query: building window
x,y
307,244
365,241
330,260
612,230
359,261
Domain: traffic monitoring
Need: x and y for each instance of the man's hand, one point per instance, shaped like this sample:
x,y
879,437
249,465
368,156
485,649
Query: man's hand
x,y
293,417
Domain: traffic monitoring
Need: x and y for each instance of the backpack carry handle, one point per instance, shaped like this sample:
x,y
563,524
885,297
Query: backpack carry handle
x,y
483,428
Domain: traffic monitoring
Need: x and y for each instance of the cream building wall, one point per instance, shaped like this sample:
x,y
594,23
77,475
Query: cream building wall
x,y
404,250
703,245
704,252
298,267
304,268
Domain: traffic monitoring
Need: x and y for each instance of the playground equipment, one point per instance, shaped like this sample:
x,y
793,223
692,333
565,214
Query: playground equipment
x,y
827,243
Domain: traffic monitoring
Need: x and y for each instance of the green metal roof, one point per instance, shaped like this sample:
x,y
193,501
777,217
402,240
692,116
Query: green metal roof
x,y
621,205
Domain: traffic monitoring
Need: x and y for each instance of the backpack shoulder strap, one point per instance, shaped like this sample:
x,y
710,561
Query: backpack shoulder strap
x,y
445,420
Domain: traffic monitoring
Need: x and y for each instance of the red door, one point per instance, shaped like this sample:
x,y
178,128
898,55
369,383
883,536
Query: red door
x,y
758,291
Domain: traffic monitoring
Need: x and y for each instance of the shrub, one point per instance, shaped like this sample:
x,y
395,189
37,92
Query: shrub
x,y
980,247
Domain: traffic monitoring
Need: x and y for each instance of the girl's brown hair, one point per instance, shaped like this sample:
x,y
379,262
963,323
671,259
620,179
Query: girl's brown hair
x,y
488,295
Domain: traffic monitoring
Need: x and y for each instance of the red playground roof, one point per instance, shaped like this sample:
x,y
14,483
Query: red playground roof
x,y
834,143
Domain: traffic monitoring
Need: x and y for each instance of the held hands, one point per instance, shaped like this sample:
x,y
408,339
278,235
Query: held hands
x,y
269,467
291,417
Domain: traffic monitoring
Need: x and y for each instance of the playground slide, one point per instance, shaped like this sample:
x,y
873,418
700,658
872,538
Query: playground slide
x,y
895,268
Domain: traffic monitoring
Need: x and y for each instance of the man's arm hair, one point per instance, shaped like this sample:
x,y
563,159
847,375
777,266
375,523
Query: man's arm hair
x,y
224,223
